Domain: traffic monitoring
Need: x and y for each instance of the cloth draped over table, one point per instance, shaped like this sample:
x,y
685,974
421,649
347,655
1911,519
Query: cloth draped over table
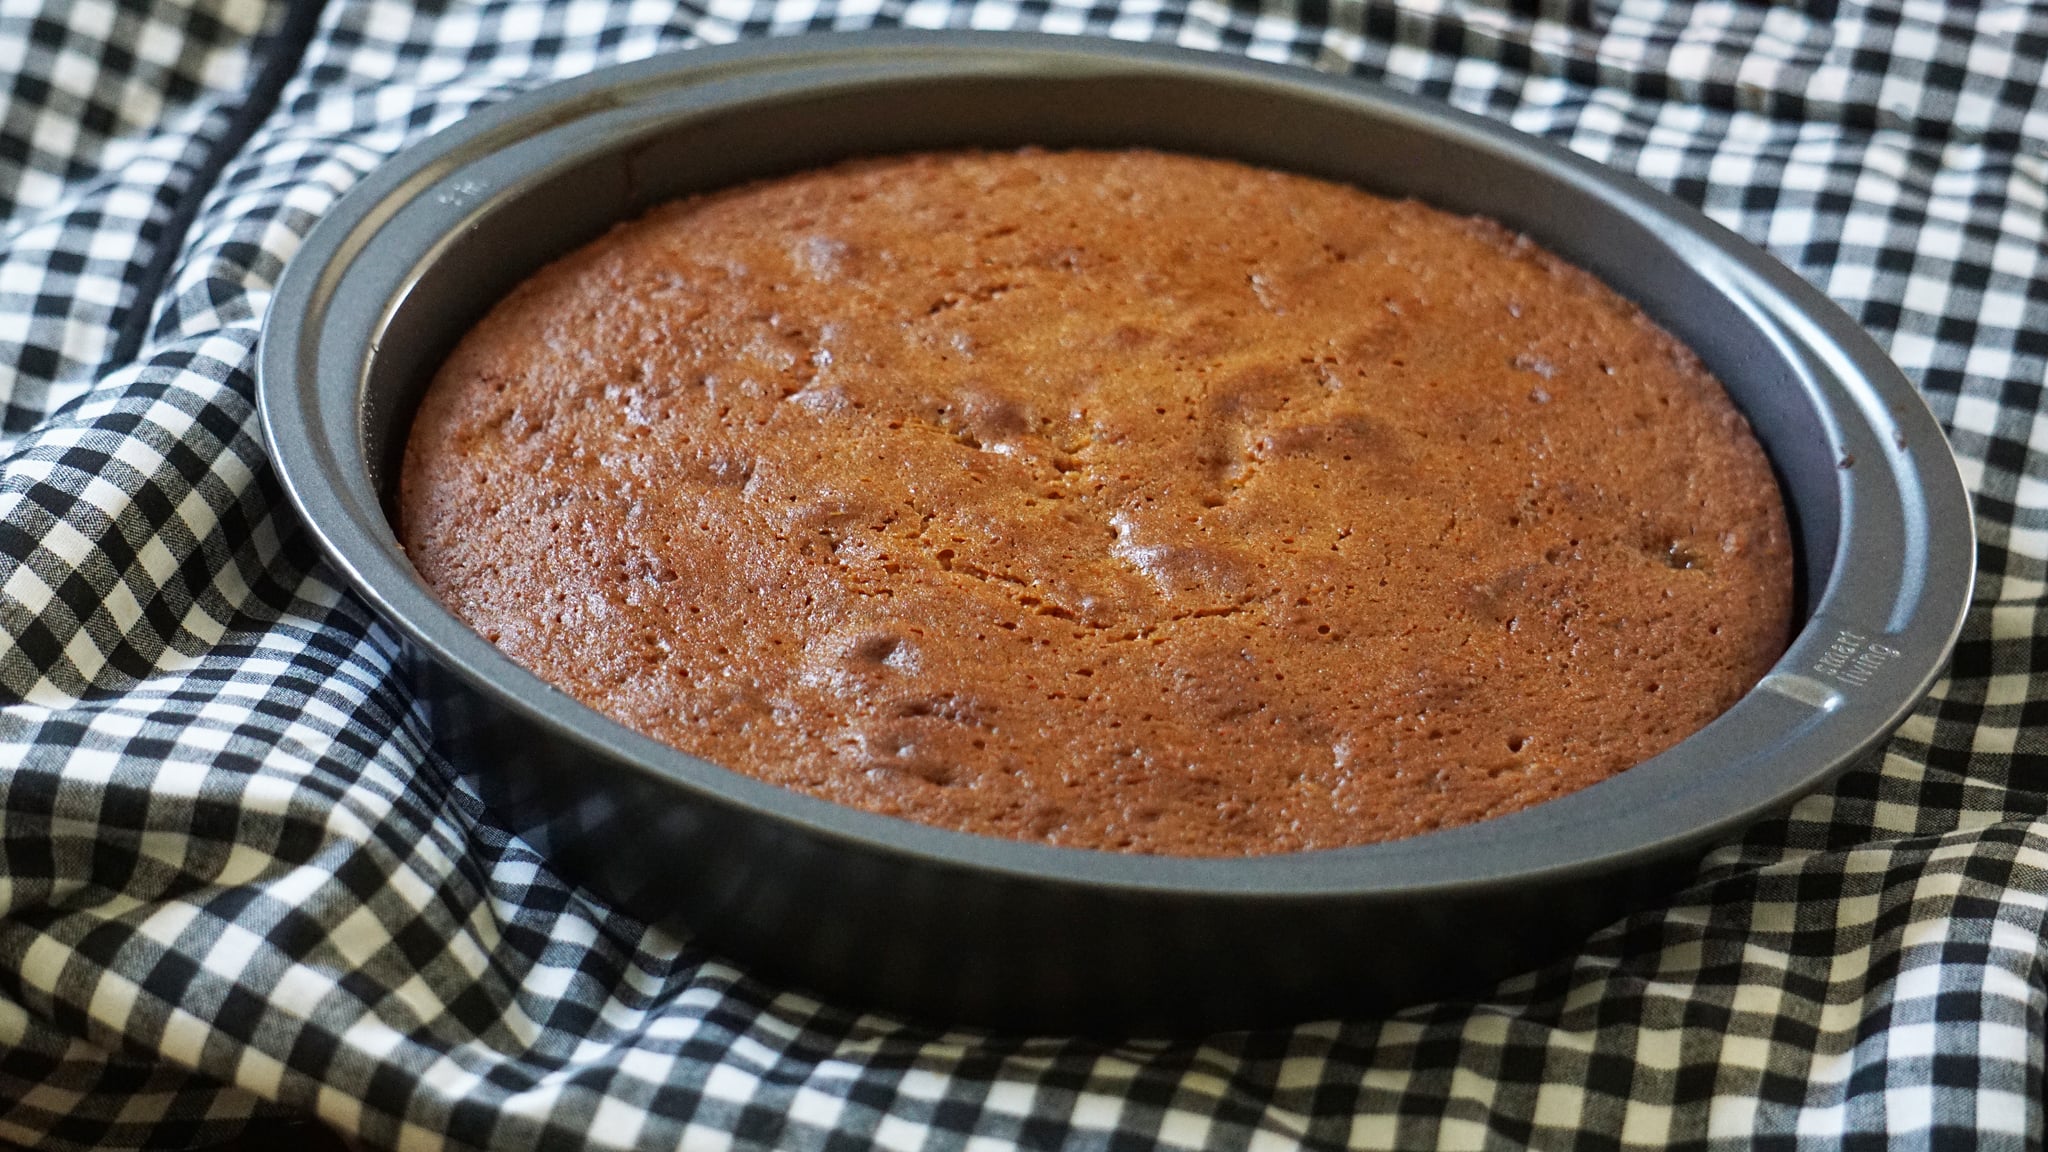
x,y
238,881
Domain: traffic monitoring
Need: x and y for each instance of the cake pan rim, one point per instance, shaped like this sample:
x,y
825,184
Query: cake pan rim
x,y
1279,875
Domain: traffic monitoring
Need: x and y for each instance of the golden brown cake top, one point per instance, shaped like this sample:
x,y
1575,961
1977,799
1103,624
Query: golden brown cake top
x,y
1113,499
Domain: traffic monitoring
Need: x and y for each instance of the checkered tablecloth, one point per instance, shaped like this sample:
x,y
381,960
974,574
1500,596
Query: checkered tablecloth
x,y
237,881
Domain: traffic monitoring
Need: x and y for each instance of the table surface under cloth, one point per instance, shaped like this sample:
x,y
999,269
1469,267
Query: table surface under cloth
x,y
236,881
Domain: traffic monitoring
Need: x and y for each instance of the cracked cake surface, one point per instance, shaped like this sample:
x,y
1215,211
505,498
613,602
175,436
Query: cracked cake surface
x,y
1118,500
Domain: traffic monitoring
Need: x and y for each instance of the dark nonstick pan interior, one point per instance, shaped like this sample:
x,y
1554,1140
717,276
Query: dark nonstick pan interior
x,y
961,928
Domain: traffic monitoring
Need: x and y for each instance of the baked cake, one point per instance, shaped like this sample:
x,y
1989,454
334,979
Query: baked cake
x,y
1118,500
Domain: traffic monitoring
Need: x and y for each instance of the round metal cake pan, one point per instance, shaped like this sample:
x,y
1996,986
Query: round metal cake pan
x,y
879,912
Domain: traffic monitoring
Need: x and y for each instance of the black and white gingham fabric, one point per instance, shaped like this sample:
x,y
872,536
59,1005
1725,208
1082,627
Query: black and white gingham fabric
x,y
237,881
